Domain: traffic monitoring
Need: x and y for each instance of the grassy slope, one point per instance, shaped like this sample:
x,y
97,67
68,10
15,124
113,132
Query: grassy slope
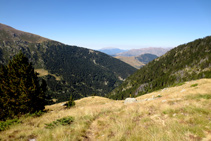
x,y
181,113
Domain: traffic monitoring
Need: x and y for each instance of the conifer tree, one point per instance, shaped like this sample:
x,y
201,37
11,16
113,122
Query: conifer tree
x,y
20,90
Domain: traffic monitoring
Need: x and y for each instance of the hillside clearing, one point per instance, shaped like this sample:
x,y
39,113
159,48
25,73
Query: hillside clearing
x,y
179,113
43,72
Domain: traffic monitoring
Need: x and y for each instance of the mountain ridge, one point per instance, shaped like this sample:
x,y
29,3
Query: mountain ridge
x,y
15,32
71,70
151,50
111,51
186,62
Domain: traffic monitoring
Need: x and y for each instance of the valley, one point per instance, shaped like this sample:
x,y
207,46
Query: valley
x,y
105,70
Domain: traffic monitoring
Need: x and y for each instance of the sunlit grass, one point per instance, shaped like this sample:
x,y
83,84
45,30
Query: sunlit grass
x,y
179,113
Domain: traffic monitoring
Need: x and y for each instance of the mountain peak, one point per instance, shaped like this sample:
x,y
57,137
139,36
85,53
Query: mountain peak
x,y
20,35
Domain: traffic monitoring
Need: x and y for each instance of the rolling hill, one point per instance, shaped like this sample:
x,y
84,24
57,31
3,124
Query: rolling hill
x,y
67,69
186,62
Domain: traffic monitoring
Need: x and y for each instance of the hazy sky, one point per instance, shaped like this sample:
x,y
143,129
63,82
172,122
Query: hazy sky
x,y
124,24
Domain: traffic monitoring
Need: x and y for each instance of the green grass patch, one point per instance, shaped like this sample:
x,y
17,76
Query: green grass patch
x,y
6,124
190,110
38,113
178,84
63,121
199,96
194,85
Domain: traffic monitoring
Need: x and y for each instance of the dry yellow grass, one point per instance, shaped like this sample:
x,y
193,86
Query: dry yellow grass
x,y
181,113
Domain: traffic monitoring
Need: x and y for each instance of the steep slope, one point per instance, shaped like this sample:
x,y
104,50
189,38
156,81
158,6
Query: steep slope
x,y
178,113
67,69
151,50
186,62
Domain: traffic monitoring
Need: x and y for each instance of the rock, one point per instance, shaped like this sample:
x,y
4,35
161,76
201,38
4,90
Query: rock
x,y
63,104
130,100
159,96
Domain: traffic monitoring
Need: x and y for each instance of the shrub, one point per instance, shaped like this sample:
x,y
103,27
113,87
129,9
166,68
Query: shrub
x,y
6,124
63,121
194,85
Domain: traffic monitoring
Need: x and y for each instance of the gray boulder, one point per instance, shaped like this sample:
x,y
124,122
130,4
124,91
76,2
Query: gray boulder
x,y
130,100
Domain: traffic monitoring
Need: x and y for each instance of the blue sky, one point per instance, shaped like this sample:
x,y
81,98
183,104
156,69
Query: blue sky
x,y
125,24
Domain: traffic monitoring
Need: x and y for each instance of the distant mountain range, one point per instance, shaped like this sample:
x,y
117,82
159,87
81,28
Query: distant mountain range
x,y
68,70
134,52
184,63
112,51
136,57
150,50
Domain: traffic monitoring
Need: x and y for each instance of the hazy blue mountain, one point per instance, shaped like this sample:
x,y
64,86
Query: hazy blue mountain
x,y
112,51
150,50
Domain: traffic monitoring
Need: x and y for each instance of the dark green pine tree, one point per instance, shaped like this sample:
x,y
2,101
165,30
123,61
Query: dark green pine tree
x,y
4,93
20,88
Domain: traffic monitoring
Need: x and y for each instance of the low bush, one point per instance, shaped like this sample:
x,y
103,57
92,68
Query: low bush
x,y
6,124
194,85
63,121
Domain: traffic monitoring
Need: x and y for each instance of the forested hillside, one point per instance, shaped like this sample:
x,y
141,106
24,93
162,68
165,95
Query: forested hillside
x,y
186,62
71,70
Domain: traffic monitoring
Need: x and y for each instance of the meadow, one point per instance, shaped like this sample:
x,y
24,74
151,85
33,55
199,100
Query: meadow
x,y
178,113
